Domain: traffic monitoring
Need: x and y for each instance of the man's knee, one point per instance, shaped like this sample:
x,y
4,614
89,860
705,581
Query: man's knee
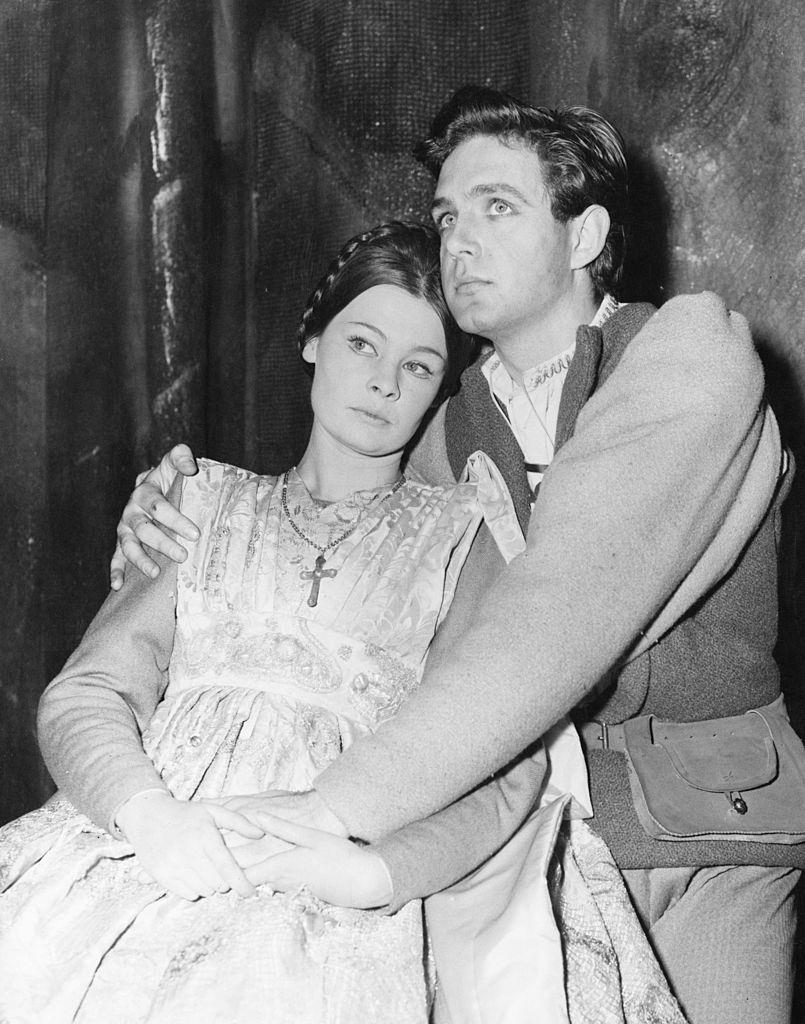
x,y
724,937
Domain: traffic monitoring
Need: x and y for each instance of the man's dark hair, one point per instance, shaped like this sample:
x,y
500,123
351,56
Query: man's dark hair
x,y
581,157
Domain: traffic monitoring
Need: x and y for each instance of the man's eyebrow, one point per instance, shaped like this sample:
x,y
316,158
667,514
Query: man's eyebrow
x,y
496,188
491,188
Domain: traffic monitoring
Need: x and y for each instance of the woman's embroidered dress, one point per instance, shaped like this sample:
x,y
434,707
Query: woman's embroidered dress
x,y
265,690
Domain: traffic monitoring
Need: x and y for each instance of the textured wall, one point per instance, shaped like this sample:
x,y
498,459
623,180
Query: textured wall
x,y
104,140
341,92
25,32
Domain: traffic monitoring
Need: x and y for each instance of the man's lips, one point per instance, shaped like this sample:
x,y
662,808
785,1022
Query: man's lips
x,y
468,284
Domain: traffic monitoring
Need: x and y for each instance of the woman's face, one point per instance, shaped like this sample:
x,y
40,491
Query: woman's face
x,y
379,364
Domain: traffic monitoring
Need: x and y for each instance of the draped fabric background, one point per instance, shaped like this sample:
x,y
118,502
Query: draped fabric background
x,y
175,174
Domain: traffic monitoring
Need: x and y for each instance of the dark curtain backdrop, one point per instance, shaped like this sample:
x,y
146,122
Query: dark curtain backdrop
x,y
174,175
117,205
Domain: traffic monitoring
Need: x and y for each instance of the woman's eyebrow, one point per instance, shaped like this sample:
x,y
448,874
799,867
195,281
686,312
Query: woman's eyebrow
x,y
369,327
431,351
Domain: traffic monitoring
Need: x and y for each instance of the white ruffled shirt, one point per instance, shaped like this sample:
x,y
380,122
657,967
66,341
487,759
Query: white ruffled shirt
x,y
532,408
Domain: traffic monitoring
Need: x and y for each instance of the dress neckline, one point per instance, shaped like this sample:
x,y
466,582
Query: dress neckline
x,y
361,499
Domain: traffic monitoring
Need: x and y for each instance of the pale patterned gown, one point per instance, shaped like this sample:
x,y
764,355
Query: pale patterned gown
x,y
264,692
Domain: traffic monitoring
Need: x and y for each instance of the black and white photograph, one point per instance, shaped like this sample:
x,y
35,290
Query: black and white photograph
x,y
402,494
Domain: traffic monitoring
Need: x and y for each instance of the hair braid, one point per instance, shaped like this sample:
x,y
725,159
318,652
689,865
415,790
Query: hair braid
x,y
404,254
393,232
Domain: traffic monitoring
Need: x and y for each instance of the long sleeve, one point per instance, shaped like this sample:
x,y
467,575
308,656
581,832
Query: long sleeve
x,y
429,855
92,715
675,438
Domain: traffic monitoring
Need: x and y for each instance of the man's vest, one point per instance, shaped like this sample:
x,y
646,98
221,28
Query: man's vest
x,y
716,661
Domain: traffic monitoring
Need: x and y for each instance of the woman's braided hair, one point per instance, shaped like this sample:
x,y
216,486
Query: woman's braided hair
x,y
404,254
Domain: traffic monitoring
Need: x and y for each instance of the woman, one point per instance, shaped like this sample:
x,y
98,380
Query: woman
x,y
301,619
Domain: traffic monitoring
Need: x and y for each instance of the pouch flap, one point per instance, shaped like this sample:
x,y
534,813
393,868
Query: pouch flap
x,y
720,756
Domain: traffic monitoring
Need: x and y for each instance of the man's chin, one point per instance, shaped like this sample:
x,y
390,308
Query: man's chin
x,y
472,311
472,321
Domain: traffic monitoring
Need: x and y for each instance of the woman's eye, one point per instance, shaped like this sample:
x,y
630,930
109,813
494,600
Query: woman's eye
x,y
358,344
420,369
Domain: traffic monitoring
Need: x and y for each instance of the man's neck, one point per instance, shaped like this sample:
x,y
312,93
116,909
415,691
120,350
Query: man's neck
x,y
544,339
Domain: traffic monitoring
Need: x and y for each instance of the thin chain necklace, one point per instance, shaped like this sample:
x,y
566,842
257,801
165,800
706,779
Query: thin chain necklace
x,y
318,572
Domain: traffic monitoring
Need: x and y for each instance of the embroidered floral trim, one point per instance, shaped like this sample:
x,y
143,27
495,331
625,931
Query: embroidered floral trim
x,y
540,374
299,660
320,733
609,306
378,695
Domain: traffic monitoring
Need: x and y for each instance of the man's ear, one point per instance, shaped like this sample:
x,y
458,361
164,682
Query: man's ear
x,y
590,230
309,351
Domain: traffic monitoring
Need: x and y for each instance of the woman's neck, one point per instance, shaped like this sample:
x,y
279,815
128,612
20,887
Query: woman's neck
x,y
331,476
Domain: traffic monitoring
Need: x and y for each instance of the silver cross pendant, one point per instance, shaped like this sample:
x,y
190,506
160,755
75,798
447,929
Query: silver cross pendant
x,y
317,574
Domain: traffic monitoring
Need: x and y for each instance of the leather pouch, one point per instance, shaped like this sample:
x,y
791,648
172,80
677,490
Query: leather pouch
x,y
737,778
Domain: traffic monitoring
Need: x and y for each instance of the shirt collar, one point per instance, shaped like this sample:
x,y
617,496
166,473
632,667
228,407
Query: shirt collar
x,y
502,385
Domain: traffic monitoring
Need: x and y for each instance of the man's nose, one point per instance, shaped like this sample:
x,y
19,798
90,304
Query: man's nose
x,y
462,239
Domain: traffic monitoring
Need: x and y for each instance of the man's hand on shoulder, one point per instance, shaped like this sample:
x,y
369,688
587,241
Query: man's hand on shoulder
x,y
148,516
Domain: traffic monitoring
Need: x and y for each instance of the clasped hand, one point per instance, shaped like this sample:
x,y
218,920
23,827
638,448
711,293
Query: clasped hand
x,y
306,845
283,840
179,843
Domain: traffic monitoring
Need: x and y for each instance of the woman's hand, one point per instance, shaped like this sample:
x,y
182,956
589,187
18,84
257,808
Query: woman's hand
x,y
179,844
331,867
147,516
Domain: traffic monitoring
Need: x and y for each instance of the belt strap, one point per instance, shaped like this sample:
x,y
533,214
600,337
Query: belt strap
x,y
601,736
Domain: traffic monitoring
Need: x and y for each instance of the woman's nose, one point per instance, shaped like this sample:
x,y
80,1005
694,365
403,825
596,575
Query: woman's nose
x,y
384,382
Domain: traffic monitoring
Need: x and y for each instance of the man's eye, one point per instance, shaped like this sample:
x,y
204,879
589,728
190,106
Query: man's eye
x,y
447,220
500,206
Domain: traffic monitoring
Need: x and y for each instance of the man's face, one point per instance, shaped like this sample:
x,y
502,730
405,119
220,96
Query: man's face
x,y
505,258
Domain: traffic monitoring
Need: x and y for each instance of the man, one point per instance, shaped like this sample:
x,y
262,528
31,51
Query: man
x,y
647,469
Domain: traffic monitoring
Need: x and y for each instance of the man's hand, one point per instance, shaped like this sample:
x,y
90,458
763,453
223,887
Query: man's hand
x,y
179,844
314,860
306,808
331,867
148,514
